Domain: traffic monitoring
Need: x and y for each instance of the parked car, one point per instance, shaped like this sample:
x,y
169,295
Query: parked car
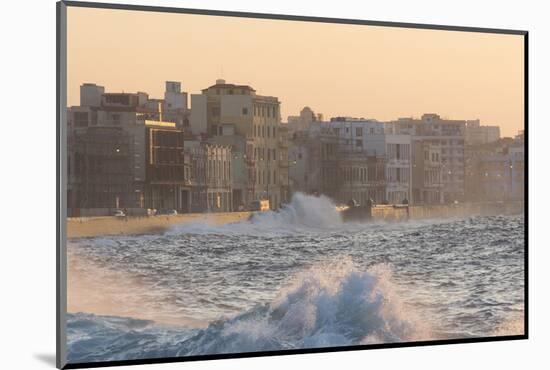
x,y
168,212
119,213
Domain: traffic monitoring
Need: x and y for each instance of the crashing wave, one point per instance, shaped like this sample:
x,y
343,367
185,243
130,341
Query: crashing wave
x,y
305,213
327,305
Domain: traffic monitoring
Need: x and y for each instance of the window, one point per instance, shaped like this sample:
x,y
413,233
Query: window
x,y
81,119
245,111
358,143
359,131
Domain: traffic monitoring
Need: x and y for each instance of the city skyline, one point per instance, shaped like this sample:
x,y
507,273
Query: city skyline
x,y
471,75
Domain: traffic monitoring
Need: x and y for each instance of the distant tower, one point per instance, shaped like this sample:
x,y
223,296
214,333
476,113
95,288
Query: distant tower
x,y
90,95
174,98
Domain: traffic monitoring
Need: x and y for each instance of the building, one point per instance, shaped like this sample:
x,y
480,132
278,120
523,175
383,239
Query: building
x,y
156,175
99,171
254,117
174,105
284,163
476,134
304,120
242,184
426,172
446,134
352,158
495,171
218,177
195,155
378,161
167,174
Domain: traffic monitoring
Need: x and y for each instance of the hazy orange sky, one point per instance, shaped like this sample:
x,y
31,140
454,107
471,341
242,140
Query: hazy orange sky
x,y
336,69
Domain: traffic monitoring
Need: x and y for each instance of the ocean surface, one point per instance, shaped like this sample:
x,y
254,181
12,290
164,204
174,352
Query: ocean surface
x,y
297,278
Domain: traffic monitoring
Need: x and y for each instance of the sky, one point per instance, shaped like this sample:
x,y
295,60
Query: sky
x,y
336,69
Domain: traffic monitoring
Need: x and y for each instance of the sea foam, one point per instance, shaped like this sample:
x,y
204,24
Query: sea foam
x,y
328,304
304,214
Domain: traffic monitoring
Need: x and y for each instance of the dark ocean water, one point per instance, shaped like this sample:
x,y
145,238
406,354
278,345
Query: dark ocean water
x,y
296,278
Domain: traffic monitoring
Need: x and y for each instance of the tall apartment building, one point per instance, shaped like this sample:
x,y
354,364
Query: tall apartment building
x,y
446,134
155,162
254,117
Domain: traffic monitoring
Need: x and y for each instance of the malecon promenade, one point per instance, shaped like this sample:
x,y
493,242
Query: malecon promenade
x,y
98,226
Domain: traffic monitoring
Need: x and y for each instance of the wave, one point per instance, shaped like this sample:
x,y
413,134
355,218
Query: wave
x,y
329,304
305,213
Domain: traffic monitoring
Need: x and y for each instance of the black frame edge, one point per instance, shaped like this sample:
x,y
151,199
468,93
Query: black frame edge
x,y
224,356
61,106
526,183
287,17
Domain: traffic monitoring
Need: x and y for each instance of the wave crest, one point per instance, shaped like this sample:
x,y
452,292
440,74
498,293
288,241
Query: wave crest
x,y
330,304
305,213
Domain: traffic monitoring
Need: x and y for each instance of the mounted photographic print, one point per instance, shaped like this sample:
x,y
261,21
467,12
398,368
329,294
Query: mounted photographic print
x,y
237,184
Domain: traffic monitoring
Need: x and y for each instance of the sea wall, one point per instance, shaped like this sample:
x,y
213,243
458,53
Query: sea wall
x,y
78,227
99,226
415,212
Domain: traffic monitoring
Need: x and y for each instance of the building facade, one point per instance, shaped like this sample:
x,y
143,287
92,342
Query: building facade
x,y
426,173
154,168
446,134
254,117
476,134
